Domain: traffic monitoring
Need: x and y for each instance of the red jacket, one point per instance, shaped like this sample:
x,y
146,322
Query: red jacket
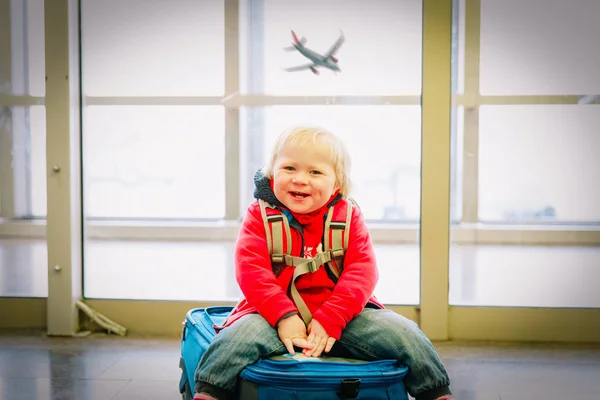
x,y
333,305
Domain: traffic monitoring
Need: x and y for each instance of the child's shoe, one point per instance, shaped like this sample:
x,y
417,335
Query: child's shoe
x,y
203,396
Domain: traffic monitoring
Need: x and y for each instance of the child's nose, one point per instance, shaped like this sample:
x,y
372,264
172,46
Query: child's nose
x,y
300,178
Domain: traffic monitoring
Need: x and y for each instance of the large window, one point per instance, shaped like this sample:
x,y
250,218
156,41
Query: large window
x,y
381,55
373,104
180,112
181,101
527,116
151,149
521,41
386,178
374,99
538,163
23,259
138,48
153,144
149,162
22,114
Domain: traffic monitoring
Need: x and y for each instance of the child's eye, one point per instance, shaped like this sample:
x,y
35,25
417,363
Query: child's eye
x,y
288,168
315,172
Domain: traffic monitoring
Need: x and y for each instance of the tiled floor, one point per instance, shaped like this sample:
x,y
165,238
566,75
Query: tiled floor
x,y
99,367
534,276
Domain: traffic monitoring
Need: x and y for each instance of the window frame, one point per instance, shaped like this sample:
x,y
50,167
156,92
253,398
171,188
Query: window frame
x,y
438,319
242,157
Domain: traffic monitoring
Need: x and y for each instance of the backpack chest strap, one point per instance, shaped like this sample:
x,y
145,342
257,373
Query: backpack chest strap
x,y
314,263
304,266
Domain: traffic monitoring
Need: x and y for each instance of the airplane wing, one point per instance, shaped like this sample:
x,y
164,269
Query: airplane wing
x,y
336,46
299,67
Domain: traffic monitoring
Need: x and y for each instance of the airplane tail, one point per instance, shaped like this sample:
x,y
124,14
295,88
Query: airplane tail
x,y
299,42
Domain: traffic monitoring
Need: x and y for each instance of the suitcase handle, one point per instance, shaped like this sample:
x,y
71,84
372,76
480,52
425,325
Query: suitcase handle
x,y
350,387
210,311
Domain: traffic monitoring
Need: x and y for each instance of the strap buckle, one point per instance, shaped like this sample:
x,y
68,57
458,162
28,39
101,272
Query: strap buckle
x,y
337,253
313,265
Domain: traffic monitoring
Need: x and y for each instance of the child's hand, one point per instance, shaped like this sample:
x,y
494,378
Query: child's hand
x,y
292,332
318,337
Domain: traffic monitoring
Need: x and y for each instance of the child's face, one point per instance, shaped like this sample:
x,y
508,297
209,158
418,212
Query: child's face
x,y
304,178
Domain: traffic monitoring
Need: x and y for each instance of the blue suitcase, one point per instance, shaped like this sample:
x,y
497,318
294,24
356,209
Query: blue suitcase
x,y
291,377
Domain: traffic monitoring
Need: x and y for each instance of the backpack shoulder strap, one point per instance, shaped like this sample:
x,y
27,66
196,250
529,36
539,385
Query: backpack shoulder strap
x,y
277,230
337,234
337,226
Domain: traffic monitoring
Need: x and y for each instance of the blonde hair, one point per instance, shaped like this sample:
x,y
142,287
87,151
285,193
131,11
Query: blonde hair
x,y
316,136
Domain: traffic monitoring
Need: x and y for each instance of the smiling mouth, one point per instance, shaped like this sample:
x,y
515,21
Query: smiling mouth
x,y
299,195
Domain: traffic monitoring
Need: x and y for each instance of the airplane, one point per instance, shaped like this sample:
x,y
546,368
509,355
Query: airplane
x,y
327,60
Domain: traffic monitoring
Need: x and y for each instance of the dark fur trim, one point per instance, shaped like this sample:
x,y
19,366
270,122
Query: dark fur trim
x,y
263,191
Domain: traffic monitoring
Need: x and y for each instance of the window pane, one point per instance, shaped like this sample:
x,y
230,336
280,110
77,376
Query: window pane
x,y
154,162
113,270
152,48
399,274
170,271
540,47
386,177
525,276
22,47
22,162
23,268
457,164
532,163
23,261
539,162
381,54
37,160
36,71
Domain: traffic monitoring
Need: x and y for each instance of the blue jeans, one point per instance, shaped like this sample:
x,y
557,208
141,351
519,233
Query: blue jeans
x,y
373,335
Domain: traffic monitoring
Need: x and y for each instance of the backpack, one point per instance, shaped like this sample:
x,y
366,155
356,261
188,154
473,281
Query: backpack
x,y
335,242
